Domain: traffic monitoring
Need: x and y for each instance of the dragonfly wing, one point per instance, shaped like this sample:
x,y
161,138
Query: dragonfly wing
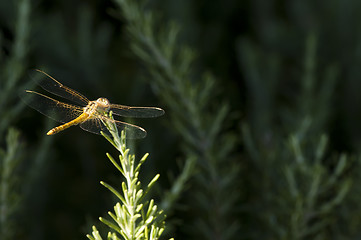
x,y
95,125
51,85
136,112
52,108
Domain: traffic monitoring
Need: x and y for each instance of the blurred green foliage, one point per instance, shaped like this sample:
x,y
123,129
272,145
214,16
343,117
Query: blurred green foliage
x,y
260,139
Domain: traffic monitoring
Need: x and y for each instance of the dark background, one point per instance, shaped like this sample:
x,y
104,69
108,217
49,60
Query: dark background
x,y
276,63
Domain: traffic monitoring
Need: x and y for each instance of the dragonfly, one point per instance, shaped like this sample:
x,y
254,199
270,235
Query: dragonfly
x,y
89,115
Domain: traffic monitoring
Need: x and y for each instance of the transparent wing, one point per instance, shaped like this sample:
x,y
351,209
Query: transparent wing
x,y
51,85
52,108
136,112
95,125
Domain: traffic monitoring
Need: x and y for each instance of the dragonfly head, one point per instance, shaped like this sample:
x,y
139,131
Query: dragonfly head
x,y
103,102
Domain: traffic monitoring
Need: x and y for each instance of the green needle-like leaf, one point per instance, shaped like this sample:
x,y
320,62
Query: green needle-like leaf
x,y
116,193
115,163
110,224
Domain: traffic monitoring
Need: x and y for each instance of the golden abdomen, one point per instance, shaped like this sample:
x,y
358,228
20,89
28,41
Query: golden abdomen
x,y
82,118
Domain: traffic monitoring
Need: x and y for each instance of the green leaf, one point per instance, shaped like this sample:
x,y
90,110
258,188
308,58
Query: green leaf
x,y
116,193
